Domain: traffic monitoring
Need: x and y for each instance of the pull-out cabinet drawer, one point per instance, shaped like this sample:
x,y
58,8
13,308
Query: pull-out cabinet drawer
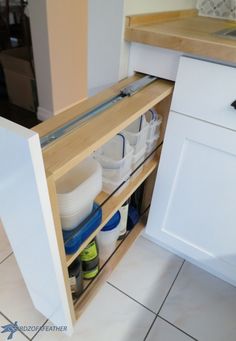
x,y
29,205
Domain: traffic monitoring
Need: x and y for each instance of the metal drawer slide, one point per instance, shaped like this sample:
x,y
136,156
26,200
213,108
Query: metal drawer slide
x,y
130,90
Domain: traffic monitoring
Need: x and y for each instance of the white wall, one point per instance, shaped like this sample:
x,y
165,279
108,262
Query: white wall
x,y
104,43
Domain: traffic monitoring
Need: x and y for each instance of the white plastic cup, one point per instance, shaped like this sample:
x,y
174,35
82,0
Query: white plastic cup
x,y
136,133
154,121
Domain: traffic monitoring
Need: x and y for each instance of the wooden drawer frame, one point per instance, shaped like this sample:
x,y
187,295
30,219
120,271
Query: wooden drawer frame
x,y
62,155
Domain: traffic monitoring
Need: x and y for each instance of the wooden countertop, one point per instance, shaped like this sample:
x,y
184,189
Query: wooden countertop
x,y
183,31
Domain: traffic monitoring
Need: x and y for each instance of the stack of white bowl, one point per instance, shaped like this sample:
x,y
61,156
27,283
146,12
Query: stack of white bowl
x,y
76,192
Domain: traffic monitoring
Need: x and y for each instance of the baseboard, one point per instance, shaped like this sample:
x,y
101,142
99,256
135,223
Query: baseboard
x,y
43,114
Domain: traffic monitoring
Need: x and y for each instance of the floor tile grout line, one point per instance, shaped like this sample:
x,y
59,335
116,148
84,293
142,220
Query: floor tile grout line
x,y
6,318
6,257
43,324
38,330
150,328
164,301
181,330
133,299
170,287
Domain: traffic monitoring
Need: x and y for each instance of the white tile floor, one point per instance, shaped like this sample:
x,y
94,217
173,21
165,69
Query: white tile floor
x,y
152,295
5,248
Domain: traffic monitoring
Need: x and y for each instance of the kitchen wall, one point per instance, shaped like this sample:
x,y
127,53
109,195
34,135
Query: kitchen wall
x,y
218,8
148,6
105,22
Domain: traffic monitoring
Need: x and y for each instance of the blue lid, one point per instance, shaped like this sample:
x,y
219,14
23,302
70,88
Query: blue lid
x,y
73,239
113,222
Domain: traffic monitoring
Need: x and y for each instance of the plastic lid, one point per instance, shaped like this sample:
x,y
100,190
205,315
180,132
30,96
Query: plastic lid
x,y
113,222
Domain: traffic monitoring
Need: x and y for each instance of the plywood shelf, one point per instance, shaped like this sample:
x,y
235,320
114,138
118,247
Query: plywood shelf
x,y
115,202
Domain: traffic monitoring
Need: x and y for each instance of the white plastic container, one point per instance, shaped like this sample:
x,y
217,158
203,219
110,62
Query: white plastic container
x,y
76,191
154,122
137,133
137,159
115,157
109,186
151,145
71,221
124,210
107,237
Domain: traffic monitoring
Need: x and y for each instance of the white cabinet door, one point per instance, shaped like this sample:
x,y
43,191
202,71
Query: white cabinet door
x,y
26,214
193,210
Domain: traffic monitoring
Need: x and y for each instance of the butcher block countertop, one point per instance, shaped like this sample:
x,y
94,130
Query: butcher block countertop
x,y
183,31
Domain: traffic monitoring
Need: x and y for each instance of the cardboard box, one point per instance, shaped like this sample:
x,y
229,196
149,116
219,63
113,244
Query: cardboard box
x,y
19,75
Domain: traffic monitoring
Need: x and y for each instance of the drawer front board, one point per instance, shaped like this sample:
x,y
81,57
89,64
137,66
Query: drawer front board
x,y
205,90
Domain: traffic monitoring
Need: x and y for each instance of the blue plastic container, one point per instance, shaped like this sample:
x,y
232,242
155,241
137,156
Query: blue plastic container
x,y
73,242
133,217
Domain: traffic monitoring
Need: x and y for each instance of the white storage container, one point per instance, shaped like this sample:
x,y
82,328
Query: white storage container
x,y
137,133
71,221
151,145
137,159
109,186
154,122
115,157
76,191
107,237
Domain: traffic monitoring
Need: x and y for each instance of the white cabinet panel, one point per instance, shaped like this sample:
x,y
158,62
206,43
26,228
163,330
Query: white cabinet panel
x,y
26,215
205,90
193,210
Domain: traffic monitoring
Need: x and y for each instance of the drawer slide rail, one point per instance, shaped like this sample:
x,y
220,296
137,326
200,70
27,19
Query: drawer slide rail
x,y
130,90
